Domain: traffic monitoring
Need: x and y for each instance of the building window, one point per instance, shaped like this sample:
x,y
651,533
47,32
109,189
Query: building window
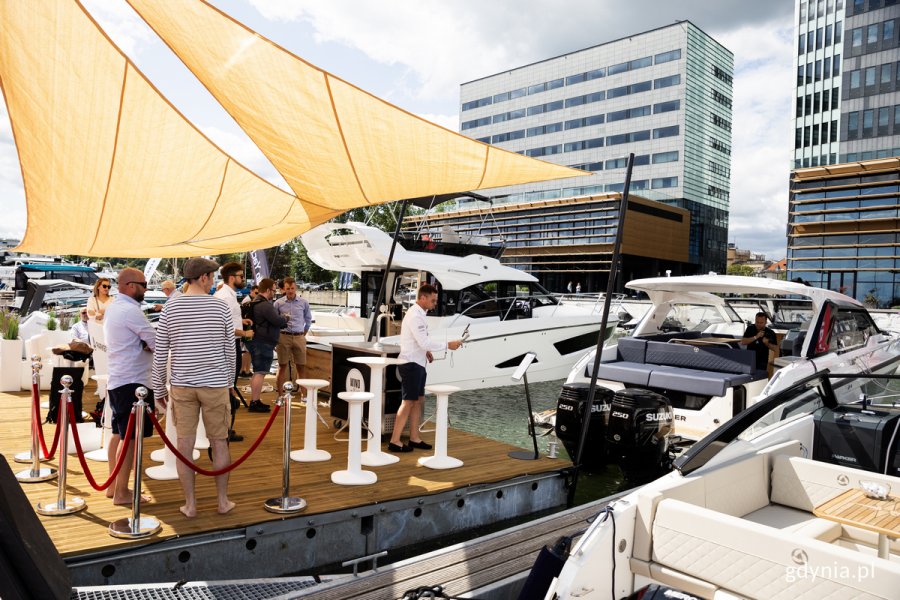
x,y
720,146
669,106
886,73
826,95
665,157
884,118
664,132
856,37
664,182
868,122
888,32
836,65
818,70
854,80
718,169
826,67
720,122
722,75
477,103
872,34
476,123
828,35
664,82
669,56
835,97
715,192
852,125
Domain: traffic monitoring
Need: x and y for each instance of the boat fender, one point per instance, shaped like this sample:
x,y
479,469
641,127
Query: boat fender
x,y
547,567
428,591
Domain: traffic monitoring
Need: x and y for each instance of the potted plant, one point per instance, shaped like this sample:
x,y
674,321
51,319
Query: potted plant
x,y
65,321
10,352
52,323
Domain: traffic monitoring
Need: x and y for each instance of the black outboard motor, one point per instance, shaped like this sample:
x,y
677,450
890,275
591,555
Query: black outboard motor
x,y
637,434
569,414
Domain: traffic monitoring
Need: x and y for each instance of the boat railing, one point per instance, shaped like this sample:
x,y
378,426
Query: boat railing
x,y
595,300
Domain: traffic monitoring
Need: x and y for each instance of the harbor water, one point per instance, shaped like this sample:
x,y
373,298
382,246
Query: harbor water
x,y
502,414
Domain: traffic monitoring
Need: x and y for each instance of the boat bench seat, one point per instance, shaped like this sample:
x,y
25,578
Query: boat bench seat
x,y
683,368
741,525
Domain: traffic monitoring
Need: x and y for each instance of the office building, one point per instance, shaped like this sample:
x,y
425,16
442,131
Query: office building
x,y
844,231
847,101
664,95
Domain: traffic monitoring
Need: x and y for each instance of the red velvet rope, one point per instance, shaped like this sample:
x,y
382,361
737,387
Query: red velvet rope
x,y
36,422
129,434
233,465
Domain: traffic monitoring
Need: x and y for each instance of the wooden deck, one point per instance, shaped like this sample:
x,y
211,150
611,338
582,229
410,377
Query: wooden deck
x,y
258,479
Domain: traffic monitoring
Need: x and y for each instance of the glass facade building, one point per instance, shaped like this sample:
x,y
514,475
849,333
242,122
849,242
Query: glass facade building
x,y
665,95
844,229
847,101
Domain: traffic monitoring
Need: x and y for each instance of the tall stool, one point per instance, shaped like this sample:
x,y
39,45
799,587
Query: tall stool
x,y
440,460
354,475
310,453
374,456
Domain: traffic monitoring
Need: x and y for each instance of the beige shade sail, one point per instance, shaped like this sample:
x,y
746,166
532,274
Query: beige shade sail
x,y
336,145
110,168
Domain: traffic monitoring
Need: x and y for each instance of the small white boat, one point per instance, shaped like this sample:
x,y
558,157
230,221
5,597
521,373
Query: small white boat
x,y
505,311
684,362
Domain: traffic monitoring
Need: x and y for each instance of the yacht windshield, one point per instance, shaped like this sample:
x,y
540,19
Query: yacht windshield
x,y
696,317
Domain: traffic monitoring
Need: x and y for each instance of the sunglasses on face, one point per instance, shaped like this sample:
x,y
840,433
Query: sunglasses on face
x,y
143,284
104,285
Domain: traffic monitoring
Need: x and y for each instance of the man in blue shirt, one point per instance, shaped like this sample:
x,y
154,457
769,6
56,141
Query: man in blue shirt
x,y
291,347
130,340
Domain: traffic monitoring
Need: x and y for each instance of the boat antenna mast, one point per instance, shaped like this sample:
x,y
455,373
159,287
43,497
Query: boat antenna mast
x,y
610,289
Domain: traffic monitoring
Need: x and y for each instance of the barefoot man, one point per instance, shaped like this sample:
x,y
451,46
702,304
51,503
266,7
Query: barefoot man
x,y
196,329
129,342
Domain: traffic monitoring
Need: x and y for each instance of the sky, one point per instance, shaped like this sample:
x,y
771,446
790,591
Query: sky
x,y
416,53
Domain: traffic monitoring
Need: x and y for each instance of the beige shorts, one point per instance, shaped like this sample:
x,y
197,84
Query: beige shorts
x,y
216,405
291,348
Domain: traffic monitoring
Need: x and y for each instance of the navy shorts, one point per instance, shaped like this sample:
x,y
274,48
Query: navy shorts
x,y
412,380
262,355
121,399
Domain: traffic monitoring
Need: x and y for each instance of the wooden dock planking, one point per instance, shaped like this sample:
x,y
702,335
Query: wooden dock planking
x,y
258,479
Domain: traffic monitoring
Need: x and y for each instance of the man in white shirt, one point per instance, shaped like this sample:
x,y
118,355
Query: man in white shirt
x,y
80,329
232,278
130,341
415,348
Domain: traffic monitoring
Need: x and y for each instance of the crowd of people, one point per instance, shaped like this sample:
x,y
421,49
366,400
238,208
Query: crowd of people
x,y
193,359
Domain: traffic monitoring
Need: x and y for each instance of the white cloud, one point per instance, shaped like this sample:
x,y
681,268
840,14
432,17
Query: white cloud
x,y
450,122
761,137
12,194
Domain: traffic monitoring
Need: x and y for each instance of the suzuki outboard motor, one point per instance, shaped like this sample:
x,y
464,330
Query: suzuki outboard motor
x,y
569,414
637,433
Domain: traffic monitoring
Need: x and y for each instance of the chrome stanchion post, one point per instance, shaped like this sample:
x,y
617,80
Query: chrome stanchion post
x,y
74,504
136,526
36,473
286,503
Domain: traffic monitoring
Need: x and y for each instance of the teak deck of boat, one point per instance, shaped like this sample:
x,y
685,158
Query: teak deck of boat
x,y
256,480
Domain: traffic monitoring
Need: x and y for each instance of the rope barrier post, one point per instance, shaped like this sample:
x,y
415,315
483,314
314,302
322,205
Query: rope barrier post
x,y
136,526
74,504
26,457
36,473
286,503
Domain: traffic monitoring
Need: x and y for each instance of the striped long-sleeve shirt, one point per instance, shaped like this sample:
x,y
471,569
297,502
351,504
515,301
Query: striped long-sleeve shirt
x,y
199,332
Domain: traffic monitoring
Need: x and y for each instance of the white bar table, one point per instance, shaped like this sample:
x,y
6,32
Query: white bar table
x,y
374,456
440,460
310,453
354,475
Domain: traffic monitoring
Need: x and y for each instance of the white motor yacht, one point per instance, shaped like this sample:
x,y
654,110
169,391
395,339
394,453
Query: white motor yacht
x,y
505,312
797,497
686,350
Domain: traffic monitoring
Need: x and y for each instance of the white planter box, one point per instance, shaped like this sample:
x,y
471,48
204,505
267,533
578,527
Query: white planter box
x,y
10,365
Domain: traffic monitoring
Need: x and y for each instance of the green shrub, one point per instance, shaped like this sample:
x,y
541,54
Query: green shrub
x,y
51,322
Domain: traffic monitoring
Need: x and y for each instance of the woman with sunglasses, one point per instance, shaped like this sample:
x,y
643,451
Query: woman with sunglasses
x,y
100,298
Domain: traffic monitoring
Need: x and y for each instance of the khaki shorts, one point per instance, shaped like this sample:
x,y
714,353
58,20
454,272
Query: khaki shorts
x,y
291,348
216,405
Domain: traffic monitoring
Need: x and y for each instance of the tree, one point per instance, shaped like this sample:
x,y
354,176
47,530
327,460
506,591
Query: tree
x,y
745,270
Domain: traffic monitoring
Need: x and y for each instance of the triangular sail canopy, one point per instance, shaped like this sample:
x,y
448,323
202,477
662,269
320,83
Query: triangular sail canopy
x,y
337,146
110,168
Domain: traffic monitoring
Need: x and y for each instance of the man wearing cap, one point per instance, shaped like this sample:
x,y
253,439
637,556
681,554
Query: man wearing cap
x,y
291,347
198,331
129,343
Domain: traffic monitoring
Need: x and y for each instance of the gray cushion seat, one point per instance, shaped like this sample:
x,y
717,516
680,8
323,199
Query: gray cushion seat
x,y
625,371
702,383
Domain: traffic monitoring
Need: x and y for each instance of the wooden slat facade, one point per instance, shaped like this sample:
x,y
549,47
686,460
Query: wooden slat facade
x,y
258,479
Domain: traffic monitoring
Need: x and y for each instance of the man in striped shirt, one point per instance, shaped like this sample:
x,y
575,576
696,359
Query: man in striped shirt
x,y
197,329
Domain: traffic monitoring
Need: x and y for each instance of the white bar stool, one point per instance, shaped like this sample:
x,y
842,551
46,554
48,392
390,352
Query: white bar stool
x,y
440,460
310,453
167,471
374,456
354,475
